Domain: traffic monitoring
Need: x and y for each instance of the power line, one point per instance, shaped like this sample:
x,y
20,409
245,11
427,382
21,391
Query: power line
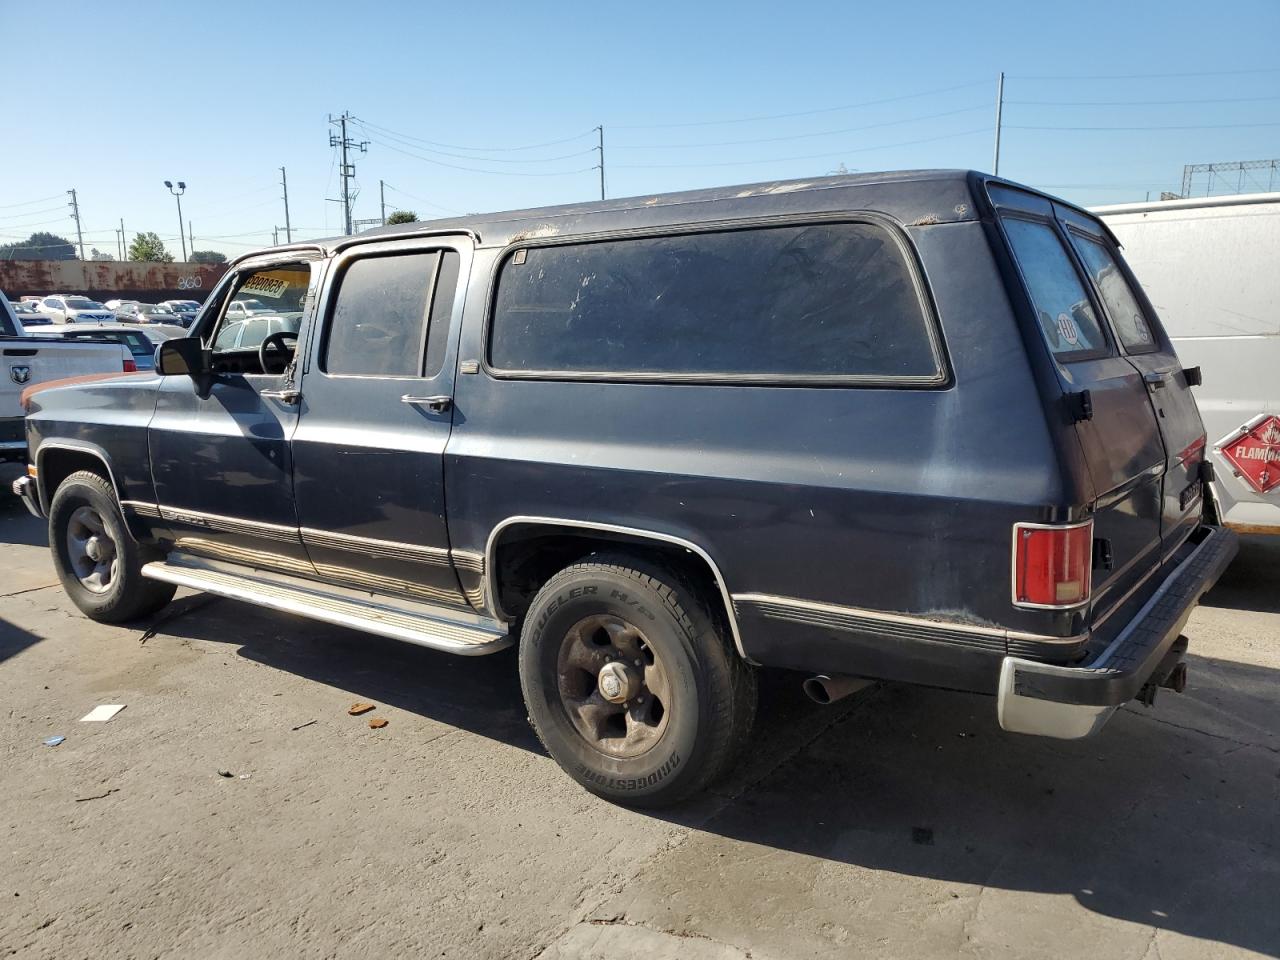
x,y
454,146
1133,103
429,203
811,156
1209,126
459,156
798,136
1141,76
29,213
497,173
27,203
799,113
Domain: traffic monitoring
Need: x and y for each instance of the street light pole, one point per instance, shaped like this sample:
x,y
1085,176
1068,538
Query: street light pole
x,y
182,188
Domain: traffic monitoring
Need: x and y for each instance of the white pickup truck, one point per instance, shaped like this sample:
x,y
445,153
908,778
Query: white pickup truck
x,y
27,359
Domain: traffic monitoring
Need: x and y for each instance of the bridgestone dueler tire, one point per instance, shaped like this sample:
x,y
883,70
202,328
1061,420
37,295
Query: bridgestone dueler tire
x,y
130,595
713,689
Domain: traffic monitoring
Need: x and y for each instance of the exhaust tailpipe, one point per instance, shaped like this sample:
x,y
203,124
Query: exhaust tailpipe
x,y
825,690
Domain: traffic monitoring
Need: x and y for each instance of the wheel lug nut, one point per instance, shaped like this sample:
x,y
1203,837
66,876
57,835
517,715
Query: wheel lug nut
x,y
637,663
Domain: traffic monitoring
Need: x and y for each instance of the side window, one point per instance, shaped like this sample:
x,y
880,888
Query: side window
x,y
1057,291
834,300
51,302
277,292
378,322
1122,306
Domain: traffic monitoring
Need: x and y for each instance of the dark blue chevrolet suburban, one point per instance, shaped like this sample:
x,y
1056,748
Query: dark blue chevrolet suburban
x,y
920,427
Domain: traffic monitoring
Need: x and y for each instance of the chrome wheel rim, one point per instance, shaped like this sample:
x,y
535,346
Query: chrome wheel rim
x,y
613,686
91,550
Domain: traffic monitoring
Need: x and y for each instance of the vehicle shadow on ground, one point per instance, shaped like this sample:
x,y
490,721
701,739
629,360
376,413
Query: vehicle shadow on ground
x,y
19,526
1252,582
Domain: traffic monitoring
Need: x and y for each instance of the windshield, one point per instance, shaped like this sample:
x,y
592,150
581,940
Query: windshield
x,y
81,303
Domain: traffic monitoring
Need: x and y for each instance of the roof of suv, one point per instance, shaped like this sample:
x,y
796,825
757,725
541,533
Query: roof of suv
x,y
909,196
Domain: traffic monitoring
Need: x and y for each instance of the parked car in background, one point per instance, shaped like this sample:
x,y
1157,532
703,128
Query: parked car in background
x,y
63,308
246,334
1210,267
29,316
895,426
134,312
142,347
115,304
185,309
31,358
241,309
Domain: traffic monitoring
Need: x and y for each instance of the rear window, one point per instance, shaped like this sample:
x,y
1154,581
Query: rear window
x,y
833,300
1062,305
1122,306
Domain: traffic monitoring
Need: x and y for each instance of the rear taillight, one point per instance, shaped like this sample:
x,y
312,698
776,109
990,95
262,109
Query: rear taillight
x,y
1052,564
130,366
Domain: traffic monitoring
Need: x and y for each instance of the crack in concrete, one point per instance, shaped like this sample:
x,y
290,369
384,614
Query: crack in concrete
x,y
858,706
1206,733
18,593
682,934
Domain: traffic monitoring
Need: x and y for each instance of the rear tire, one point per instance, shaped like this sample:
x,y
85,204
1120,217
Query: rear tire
x,y
630,684
97,559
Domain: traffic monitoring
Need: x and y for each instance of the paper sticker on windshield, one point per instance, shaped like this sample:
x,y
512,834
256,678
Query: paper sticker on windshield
x,y
1068,330
264,285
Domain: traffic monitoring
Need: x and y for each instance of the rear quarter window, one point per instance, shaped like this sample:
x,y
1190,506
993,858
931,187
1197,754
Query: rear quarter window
x,y
1057,291
832,301
1127,316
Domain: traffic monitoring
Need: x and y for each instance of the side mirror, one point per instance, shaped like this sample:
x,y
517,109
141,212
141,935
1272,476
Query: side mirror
x,y
183,356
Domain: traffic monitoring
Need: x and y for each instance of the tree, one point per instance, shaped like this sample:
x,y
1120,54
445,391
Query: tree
x,y
207,256
96,254
148,248
39,246
403,216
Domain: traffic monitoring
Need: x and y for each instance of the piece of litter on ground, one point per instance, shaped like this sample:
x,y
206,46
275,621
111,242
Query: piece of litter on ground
x,y
377,723
245,776
358,708
102,713
54,741
301,725
226,773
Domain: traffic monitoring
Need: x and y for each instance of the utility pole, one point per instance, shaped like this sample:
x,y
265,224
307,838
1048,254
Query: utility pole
x,y
191,237
124,242
120,240
999,110
75,215
275,236
348,169
600,147
288,227
382,196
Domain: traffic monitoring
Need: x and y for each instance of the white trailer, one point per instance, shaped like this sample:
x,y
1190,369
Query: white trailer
x,y
1211,268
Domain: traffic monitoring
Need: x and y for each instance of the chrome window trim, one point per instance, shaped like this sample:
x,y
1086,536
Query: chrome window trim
x,y
905,619
1013,567
491,580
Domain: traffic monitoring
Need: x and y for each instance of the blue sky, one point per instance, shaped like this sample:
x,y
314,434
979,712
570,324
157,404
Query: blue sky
x,y
123,96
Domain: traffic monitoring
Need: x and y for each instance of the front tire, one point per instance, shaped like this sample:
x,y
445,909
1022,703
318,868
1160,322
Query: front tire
x,y
630,684
97,559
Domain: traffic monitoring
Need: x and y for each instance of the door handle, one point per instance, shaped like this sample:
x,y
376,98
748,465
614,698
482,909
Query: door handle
x,y
437,404
284,396
1156,379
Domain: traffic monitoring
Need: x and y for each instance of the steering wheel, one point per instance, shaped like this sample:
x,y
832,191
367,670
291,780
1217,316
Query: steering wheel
x,y
272,349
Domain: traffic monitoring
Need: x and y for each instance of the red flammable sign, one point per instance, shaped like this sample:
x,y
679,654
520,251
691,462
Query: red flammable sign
x,y
1255,453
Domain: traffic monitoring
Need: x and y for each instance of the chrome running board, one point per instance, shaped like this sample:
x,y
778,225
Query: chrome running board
x,y
452,630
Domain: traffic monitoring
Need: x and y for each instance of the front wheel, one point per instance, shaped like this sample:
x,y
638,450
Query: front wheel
x,y
630,684
98,562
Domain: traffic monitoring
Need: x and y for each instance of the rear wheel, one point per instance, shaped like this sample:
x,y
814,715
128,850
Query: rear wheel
x,y
97,560
630,684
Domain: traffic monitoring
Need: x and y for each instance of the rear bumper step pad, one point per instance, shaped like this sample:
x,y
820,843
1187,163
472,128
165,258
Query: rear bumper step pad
x,y
1069,703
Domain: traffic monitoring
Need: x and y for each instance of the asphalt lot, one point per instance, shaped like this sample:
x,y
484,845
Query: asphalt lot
x,y
899,823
